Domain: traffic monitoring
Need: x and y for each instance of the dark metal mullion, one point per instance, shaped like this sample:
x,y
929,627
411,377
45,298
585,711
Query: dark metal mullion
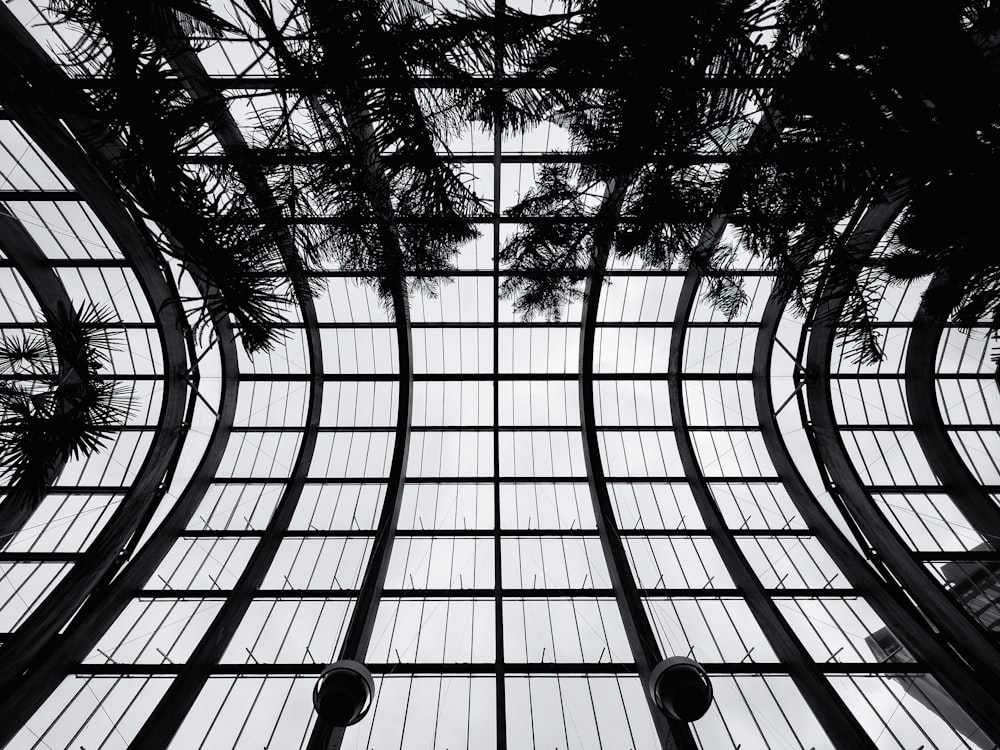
x,y
487,377
80,263
110,326
889,602
124,376
566,532
875,488
948,556
507,593
11,196
500,672
545,324
836,719
521,376
39,557
512,479
569,669
124,429
945,475
487,428
488,273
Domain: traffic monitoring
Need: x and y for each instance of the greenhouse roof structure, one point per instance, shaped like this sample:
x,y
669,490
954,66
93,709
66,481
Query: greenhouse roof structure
x,y
509,348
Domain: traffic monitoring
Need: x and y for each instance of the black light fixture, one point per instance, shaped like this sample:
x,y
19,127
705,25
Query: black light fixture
x,y
680,688
343,693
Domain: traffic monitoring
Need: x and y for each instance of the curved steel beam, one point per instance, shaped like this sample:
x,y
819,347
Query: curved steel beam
x,y
164,721
50,294
641,638
979,508
885,598
357,635
108,601
373,179
104,607
885,546
63,135
359,629
839,723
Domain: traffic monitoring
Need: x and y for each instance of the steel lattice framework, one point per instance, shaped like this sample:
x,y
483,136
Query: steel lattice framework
x,y
510,522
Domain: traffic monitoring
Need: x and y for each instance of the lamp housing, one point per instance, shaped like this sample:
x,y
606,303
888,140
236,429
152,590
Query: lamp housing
x,y
343,693
680,688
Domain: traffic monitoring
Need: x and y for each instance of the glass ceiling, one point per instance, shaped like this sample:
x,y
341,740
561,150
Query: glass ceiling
x,y
554,505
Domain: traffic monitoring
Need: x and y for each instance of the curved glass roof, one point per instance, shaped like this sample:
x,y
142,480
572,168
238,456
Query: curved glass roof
x,y
509,521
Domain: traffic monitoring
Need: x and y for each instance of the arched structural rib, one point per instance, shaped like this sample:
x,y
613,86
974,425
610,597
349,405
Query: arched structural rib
x,y
372,167
641,638
101,611
164,721
359,629
63,136
107,603
887,600
839,723
928,427
886,549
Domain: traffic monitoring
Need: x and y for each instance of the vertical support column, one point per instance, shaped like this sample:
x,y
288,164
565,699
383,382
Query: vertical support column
x,y
500,9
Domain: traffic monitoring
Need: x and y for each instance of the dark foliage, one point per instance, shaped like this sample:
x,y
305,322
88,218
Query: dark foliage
x,y
902,100
459,46
642,104
554,255
57,405
849,113
206,219
398,211
791,121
